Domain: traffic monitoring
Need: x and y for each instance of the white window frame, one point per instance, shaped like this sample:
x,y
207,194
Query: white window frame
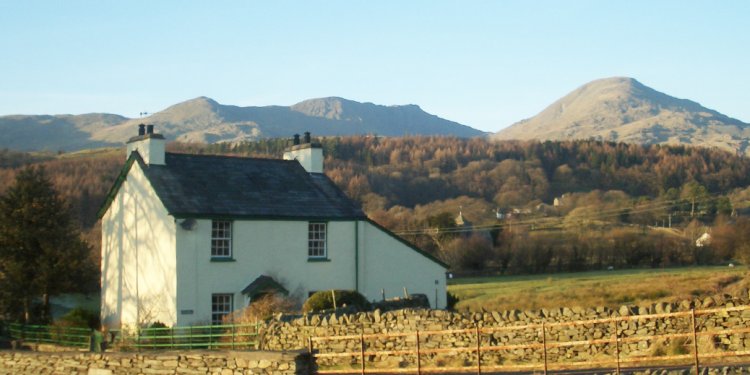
x,y
222,305
317,240
221,239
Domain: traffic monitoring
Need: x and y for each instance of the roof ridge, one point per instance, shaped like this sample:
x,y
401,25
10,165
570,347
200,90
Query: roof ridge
x,y
216,156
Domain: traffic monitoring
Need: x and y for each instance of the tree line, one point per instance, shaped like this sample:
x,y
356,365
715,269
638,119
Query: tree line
x,y
407,183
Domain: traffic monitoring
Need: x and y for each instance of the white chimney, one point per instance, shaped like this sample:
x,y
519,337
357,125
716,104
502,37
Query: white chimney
x,y
148,144
308,154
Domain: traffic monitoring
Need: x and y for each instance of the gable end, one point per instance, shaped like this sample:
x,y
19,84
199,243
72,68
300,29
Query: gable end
x,y
118,183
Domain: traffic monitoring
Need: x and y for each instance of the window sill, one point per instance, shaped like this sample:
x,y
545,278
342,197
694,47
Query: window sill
x,y
222,260
315,260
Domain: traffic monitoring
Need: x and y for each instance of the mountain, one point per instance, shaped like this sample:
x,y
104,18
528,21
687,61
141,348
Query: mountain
x,y
204,120
53,133
624,110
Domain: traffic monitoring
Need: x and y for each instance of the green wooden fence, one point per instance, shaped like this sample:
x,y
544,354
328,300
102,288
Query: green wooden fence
x,y
212,337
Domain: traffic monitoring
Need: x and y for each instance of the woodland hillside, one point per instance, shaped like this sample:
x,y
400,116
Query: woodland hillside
x,y
524,206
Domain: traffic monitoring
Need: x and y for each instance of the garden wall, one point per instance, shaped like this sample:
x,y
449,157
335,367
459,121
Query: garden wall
x,y
193,362
293,332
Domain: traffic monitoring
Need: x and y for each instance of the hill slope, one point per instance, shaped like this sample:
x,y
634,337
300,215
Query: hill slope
x,y
204,120
624,110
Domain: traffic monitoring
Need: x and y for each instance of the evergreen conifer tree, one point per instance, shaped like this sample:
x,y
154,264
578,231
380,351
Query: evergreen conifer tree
x,y
41,250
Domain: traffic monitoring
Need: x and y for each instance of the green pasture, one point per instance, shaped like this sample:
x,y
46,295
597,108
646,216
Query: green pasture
x,y
592,289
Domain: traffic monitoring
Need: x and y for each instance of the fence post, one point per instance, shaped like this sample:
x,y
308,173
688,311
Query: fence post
x,y
616,339
310,354
544,346
232,336
362,350
695,341
419,362
190,337
479,349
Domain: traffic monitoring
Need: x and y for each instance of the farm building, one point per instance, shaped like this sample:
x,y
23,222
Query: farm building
x,y
186,239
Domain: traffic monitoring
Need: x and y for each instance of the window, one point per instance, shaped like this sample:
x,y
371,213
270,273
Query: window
x,y
221,239
316,240
221,306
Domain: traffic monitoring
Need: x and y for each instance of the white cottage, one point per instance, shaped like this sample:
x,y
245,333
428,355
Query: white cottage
x,y
188,238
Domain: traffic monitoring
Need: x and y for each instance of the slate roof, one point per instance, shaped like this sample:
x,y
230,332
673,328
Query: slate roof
x,y
222,186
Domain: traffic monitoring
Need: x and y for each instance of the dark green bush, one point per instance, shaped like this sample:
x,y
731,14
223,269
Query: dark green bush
x,y
156,325
323,300
451,301
79,318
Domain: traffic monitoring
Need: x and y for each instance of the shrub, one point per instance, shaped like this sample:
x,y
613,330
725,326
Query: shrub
x,y
323,300
262,308
451,301
157,325
74,326
79,318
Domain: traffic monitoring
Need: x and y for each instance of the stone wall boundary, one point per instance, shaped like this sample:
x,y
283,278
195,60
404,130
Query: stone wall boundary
x,y
297,331
489,353
156,362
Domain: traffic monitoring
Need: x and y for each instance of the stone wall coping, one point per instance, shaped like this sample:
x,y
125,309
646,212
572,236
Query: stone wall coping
x,y
254,355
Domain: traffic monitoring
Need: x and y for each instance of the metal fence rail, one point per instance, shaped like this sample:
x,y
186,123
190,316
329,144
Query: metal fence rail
x,y
692,353
230,336
65,336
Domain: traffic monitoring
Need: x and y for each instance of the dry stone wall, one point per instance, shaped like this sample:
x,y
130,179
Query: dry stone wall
x,y
188,363
293,332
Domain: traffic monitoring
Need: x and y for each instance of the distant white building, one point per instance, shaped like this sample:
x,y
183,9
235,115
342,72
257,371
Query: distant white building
x,y
186,239
703,240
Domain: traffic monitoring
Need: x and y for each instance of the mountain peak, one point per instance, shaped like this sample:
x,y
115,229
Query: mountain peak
x,y
198,107
201,101
331,107
625,110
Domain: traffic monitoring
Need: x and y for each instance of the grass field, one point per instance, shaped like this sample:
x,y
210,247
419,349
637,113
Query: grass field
x,y
592,289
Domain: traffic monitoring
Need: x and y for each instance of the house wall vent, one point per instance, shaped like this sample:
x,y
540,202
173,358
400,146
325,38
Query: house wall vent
x,y
188,224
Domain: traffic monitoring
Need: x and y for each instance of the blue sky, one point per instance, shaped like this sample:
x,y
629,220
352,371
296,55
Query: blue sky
x,y
485,64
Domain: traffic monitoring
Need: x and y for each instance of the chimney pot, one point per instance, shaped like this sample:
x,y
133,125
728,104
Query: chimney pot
x,y
141,129
307,137
295,142
149,129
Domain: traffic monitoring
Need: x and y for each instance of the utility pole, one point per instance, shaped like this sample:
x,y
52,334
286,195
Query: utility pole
x,y
692,208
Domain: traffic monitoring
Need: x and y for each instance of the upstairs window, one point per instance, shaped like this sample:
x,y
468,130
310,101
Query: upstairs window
x,y
221,239
316,240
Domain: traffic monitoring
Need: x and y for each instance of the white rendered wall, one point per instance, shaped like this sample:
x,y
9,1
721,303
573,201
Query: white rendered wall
x,y
138,257
260,247
279,249
390,265
311,158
